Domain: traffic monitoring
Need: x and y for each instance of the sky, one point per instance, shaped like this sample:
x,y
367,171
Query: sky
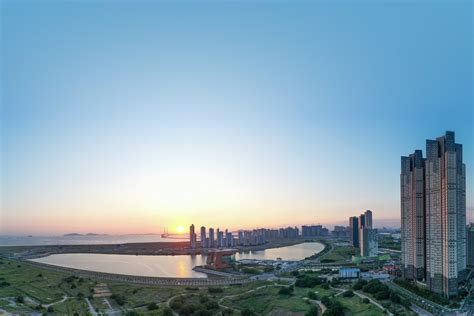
x,y
133,116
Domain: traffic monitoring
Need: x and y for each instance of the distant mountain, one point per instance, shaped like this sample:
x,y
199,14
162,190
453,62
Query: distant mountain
x,y
88,234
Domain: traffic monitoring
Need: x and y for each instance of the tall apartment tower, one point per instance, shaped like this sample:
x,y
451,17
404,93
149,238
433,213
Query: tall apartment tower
x,y
445,190
192,236
354,231
433,215
470,245
368,219
211,238
412,188
203,237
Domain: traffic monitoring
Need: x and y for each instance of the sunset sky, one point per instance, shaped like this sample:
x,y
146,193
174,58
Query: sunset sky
x,y
128,117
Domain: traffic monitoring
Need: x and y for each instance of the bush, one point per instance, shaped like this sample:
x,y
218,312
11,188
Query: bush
x,y
295,273
50,309
211,305
215,290
287,290
313,311
326,300
312,295
309,281
152,306
335,309
325,286
191,288
247,312
365,301
20,299
348,294
394,297
167,311
119,299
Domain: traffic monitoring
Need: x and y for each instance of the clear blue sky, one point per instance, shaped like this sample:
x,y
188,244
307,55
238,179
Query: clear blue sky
x,y
131,116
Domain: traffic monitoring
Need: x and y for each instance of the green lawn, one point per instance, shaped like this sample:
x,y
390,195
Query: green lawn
x,y
340,254
355,306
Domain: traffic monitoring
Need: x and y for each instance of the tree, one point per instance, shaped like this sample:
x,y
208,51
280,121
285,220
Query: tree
x,y
247,312
20,299
312,295
359,284
152,306
287,290
348,294
313,311
394,297
167,311
50,309
365,300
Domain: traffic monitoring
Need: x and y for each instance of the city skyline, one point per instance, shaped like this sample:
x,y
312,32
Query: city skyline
x,y
167,113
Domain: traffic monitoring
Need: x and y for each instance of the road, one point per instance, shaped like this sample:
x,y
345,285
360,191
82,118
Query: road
x,y
426,304
91,308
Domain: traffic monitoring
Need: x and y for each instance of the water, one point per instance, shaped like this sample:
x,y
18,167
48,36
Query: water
x,y
157,266
168,266
82,240
294,253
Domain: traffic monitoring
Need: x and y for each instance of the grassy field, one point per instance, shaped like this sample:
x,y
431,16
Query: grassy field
x,y
355,306
340,254
25,288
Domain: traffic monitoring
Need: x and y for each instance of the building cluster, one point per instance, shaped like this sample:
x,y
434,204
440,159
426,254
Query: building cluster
x,y
363,235
314,231
224,239
433,216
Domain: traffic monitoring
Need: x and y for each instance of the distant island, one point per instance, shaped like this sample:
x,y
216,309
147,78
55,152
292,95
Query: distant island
x,y
88,234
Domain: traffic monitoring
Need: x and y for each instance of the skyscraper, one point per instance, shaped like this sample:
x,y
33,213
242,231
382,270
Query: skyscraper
x,y
412,186
368,242
470,245
368,219
369,245
433,211
361,221
211,238
192,236
354,231
445,189
203,237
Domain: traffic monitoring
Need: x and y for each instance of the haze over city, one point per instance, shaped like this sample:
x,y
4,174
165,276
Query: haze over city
x,y
116,120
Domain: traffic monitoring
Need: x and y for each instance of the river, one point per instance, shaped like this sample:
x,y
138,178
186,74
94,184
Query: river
x,y
168,266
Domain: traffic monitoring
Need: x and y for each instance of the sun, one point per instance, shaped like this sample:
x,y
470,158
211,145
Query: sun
x,y
180,229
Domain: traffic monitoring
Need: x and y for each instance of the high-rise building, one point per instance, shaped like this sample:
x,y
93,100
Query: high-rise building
x,y
211,238
439,181
192,236
361,221
368,219
369,246
470,245
220,238
354,231
203,237
412,188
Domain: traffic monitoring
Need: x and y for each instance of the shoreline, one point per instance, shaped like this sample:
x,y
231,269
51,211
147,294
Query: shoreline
x,y
149,249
